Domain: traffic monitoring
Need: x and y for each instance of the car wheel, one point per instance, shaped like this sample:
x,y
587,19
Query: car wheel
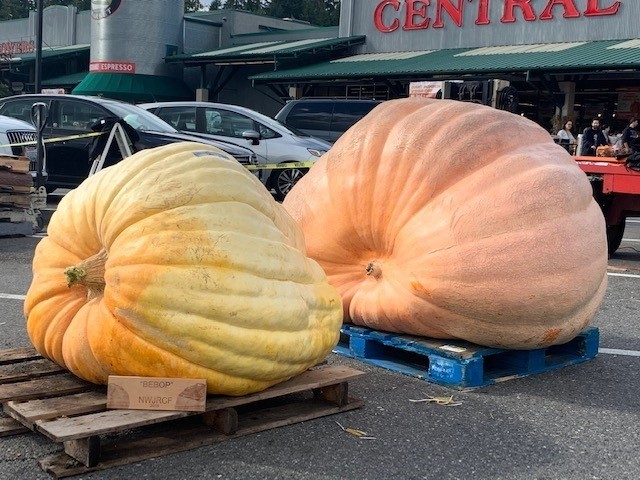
x,y
282,181
614,236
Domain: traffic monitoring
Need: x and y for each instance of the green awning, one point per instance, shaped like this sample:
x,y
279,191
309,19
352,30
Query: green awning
x,y
134,87
603,55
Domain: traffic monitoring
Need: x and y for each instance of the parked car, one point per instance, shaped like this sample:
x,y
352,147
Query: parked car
x,y
272,142
68,162
14,133
325,118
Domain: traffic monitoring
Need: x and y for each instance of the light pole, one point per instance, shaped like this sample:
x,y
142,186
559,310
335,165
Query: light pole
x,y
38,79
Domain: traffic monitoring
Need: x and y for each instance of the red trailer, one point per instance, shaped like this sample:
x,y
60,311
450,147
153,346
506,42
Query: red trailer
x,y
616,188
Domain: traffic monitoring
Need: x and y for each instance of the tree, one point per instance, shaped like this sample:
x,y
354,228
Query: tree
x,y
192,5
4,90
317,12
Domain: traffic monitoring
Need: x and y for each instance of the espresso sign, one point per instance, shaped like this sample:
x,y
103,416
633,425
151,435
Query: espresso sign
x,y
156,393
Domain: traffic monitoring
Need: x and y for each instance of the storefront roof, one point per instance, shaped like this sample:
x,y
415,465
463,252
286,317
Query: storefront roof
x,y
550,57
65,80
134,87
268,51
50,53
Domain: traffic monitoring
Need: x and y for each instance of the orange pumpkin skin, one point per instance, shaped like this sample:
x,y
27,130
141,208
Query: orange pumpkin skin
x,y
453,220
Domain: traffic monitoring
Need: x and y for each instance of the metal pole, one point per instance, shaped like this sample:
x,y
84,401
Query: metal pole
x,y
38,79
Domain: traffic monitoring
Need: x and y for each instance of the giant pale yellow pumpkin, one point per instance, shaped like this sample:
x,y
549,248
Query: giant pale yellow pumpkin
x,y
448,219
184,266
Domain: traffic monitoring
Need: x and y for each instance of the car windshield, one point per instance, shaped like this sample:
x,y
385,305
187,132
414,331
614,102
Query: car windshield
x,y
139,118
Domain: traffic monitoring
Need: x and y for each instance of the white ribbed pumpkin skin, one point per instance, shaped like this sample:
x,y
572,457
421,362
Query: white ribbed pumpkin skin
x,y
206,277
476,225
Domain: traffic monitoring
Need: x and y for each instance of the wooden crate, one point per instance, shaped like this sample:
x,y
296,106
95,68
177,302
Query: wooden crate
x,y
42,397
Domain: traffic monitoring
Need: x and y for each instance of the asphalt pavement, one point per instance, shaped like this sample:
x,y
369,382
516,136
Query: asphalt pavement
x,y
575,423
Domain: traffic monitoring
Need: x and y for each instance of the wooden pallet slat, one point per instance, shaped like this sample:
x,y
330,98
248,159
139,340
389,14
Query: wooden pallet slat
x,y
9,426
460,364
43,387
26,370
31,411
14,355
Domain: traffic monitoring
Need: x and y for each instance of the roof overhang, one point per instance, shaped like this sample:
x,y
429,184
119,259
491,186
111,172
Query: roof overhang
x,y
574,57
50,53
268,52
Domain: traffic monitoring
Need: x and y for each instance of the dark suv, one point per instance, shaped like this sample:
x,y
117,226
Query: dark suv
x,y
325,118
75,116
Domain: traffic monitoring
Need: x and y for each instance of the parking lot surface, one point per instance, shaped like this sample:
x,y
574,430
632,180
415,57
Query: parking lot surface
x,y
578,422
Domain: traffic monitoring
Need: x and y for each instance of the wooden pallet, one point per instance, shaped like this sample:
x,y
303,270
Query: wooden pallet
x,y
41,397
458,364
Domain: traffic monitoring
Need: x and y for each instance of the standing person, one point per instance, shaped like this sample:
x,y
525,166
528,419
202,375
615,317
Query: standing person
x,y
592,138
567,140
630,135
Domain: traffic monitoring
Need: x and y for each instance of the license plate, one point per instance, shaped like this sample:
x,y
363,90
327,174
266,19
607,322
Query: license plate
x,y
31,153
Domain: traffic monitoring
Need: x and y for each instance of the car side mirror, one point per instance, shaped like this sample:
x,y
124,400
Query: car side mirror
x,y
252,136
39,115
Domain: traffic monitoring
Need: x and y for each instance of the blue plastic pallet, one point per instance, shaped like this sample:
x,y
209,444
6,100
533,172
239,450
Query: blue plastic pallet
x,y
460,364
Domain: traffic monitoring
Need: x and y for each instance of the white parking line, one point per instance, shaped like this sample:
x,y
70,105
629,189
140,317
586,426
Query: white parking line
x,y
615,351
10,296
630,275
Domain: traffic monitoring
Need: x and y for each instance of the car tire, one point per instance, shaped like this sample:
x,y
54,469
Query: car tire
x,y
614,236
282,181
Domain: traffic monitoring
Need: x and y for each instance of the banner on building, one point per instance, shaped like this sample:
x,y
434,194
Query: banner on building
x,y
628,104
425,89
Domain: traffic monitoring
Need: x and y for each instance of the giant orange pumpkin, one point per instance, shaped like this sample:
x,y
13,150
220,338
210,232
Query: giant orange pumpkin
x,y
448,219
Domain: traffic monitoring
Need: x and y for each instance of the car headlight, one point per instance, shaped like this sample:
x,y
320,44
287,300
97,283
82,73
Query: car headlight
x,y
315,152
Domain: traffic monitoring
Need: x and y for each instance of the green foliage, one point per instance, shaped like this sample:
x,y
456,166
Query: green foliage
x,y
13,9
192,5
317,12
4,90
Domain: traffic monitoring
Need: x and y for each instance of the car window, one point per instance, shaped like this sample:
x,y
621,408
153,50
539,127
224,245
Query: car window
x,y
310,115
345,114
76,115
20,109
266,132
213,121
137,117
227,123
182,118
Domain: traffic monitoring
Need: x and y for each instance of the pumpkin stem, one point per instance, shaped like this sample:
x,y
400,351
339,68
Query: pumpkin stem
x,y
90,273
373,269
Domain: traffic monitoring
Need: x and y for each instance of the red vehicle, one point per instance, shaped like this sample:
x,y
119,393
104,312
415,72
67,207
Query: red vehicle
x,y
616,188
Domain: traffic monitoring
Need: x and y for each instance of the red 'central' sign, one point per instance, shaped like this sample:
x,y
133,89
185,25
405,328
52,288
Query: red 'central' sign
x,y
419,13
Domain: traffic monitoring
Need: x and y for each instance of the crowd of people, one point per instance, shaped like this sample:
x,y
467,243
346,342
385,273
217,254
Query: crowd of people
x,y
597,135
